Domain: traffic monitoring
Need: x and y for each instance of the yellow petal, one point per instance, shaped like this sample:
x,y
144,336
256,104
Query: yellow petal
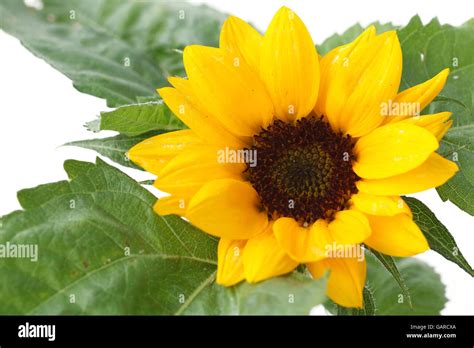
x,y
289,66
199,111
434,172
378,84
239,39
357,79
309,244
418,96
301,243
396,235
227,208
188,171
230,268
264,258
349,227
392,149
229,89
207,128
346,279
380,205
317,269
183,86
171,205
330,68
437,124
153,153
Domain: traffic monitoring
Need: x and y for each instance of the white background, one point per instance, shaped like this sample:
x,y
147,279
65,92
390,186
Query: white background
x,y
40,111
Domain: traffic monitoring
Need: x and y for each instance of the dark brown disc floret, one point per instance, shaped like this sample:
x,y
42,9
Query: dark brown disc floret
x,y
303,169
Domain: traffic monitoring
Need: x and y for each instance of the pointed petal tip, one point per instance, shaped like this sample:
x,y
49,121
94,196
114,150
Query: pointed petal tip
x,y
391,34
232,20
445,72
284,9
371,28
390,38
285,12
162,91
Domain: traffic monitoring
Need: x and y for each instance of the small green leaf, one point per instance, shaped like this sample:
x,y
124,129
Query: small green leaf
x,y
116,50
369,303
389,263
136,123
137,119
438,236
114,148
426,289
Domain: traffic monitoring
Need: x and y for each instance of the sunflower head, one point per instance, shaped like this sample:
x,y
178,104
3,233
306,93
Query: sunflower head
x,y
331,143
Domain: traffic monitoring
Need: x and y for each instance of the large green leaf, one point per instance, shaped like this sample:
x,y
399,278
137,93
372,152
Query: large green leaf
x,y
290,295
112,49
438,236
426,289
102,250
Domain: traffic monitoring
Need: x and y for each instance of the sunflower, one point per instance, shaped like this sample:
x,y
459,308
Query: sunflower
x,y
292,158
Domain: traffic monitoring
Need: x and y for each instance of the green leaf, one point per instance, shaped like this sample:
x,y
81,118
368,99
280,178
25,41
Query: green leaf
x,y
116,50
369,308
438,236
426,289
291,295
137,119
389,263
459,191
30,199
83,234
102,250
349,35
136,123
369,303
426,51
114,148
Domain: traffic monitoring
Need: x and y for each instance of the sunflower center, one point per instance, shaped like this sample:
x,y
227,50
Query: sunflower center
x,y
304,170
